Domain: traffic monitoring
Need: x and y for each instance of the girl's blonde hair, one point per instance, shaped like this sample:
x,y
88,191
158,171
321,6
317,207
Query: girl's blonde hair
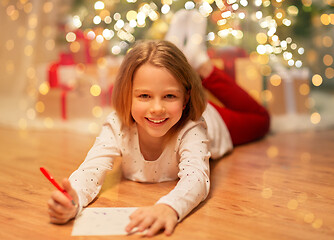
x,y
164,54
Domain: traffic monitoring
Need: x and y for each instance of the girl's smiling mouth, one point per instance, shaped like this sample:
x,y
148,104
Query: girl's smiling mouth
x,y
156,121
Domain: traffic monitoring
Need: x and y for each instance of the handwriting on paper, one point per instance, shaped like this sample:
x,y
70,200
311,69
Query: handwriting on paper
x,y
102,221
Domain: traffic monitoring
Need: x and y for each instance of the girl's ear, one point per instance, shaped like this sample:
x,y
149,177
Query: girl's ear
x,y
186,99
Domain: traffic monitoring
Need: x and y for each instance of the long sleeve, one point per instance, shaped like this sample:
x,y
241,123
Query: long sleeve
x,y
87,180
194,181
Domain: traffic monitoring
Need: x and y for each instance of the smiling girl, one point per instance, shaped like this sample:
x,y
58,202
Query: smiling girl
x,y
164,130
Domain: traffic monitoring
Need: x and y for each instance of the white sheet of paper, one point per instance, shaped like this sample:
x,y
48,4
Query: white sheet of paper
x,y
102,221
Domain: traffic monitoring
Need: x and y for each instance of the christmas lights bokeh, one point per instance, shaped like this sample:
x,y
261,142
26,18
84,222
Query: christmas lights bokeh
x,y
277,34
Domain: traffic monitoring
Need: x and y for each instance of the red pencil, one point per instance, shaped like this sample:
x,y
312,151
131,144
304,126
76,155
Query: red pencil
x,y
53,181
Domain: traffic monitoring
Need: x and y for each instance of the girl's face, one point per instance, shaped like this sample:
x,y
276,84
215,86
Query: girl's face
x,y
158,100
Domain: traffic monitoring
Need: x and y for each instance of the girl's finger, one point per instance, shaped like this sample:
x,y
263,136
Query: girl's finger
x,y
57,220
146,223
55,207
169,227
61,199
155,228
133,223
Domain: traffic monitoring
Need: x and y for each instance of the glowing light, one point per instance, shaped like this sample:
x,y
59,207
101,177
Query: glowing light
x,y
315,118
117,16
77,22
119,24
266,95
95,90
275,80
107,19
291,62
235,6
189,5
221,22
299,64
287,56
131,15
31,114
271,31
304,89
75,47
40,107
48,122
293,10
33,21
272,152
328,60
325,19
261,49
205,9
329,73
301,51
108,34
141,18
27,7
226,14
28,50
99,5
153,15
292,204
287,22
284,45
211,36
238,34
116,50
93,128
327,41
97,111
90,35
309,217
133,23
97,20
244,3
99,39
317,223
242,15
317,80
266,3
258,3
70,37
47,7
165,9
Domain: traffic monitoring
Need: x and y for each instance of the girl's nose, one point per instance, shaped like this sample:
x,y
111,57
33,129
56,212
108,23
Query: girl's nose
x,y
157,107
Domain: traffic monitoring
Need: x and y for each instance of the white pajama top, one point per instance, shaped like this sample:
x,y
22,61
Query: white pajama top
x,y
186,159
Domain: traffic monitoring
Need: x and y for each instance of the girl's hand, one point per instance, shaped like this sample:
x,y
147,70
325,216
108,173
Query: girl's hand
x,y
153,219
61,209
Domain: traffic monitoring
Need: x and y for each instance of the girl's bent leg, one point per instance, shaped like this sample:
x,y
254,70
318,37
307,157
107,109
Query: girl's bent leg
x,y
244,127
245,118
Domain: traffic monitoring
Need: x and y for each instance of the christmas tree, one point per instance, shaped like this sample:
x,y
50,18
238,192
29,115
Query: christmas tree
x,y
292,33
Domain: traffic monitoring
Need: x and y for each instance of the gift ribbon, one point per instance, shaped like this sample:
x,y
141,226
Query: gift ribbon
x,y
80,36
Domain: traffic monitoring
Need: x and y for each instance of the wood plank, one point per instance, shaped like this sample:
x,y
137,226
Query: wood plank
x,y
281,187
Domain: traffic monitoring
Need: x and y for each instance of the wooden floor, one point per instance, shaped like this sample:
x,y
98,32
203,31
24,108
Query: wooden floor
x,y
281,187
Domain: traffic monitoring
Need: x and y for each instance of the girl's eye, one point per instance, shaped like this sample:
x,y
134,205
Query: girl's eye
x,y
144,96
170,96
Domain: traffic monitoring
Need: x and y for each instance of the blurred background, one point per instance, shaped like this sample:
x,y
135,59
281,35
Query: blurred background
x,y
58,59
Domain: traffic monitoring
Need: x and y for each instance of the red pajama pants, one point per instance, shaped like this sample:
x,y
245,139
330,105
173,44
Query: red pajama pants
x,y
245,119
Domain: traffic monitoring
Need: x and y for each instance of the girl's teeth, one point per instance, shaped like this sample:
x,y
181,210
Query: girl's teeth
x,y
156,121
